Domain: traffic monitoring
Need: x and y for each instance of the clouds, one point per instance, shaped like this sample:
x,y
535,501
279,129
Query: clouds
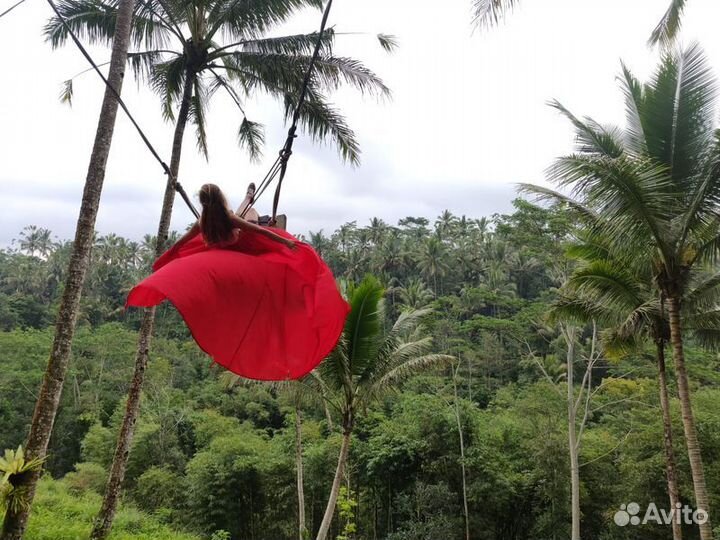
x,y
468,117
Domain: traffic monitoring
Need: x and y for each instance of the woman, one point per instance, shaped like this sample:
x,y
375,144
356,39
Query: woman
x,y
220,227
261,303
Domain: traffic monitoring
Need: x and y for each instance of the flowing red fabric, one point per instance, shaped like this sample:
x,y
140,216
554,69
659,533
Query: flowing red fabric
x,y
257,307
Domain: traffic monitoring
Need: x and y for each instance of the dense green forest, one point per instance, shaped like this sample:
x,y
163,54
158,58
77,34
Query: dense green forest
x,y
213,456
550,373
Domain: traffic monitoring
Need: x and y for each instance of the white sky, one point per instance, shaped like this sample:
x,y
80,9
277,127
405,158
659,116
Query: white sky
x,y
468,117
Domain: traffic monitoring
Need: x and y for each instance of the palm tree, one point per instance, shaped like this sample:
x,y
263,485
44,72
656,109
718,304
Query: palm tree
x,y
49,397
34,239
445,223
652,190
415,295
187,77
626,299
367,364
433,261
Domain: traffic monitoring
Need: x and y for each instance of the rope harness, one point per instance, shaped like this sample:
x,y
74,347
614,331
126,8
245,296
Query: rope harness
x,y
8,10
280,164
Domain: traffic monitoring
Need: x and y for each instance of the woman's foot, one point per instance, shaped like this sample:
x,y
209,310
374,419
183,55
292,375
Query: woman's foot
x,y
250,191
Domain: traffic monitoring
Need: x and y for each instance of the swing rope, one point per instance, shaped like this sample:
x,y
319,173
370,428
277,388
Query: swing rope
x,y
281,163
8,10
176,185
279,167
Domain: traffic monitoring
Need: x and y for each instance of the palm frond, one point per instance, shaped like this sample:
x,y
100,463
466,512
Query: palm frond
x,y
295,45
168,80
609,285
702,216
703,294
364,323
677,111
251,137
708,338
94,20
321,121
489,13
585,213
591,138
242,19
197,115
635,197
667,29
331,72
580,309
143,63
707,248
66,94
634,98
389,43
400,373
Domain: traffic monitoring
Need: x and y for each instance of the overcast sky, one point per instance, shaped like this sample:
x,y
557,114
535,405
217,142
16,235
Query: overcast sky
x,y
468,117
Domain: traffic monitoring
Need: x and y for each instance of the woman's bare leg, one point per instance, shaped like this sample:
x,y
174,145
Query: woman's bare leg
x,y
251,214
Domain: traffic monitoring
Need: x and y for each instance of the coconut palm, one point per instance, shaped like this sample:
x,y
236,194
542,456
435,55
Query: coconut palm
x,y
652,191
626,299
36,240
49,396
434,262
367,364
183,58
415,294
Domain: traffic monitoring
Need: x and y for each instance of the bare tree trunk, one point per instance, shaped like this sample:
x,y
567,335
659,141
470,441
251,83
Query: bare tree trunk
x,y
572,439
670,468
104,520
693,446
334,490
299,471
456,408
46,406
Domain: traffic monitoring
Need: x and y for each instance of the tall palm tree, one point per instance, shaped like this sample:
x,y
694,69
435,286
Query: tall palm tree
x,y
652,191
367,364
34,239
434,262
49,397
626,298
186,77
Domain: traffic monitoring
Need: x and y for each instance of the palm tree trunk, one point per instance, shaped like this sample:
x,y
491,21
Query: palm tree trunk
x,y
299,471
104,520
670,467
691,440
332,501
46,406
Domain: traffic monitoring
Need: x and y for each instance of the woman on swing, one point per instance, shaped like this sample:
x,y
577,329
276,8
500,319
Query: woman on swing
x,y
260,302
220,227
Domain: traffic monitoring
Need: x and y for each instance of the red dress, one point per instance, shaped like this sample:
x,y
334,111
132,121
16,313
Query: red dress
x,y
255,306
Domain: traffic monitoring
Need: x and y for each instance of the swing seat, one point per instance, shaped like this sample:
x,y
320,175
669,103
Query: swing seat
x,y
280,222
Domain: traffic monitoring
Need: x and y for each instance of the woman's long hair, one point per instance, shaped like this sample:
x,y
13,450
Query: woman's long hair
x,y
215,222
